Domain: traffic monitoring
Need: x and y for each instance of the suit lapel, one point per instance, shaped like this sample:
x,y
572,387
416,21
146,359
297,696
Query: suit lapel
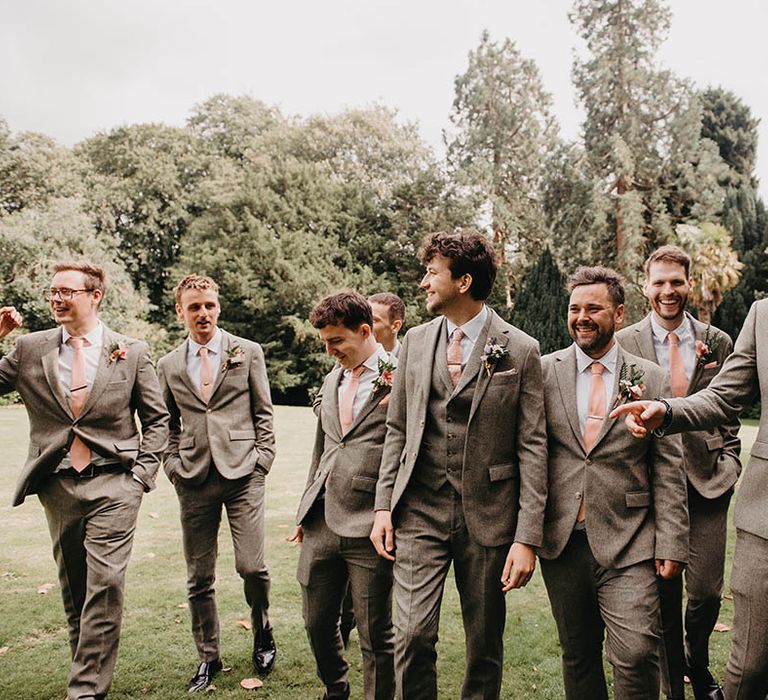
x,y
431,343
103,372
565,371
699,333
226,346
441,357
330,402
373,401
181,369
493,328
50,361
644,339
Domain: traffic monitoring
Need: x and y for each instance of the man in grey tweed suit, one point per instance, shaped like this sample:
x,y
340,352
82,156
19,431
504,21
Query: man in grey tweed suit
x,y
463,474
616,514
220,450
743,378
676,341
83,386
336,511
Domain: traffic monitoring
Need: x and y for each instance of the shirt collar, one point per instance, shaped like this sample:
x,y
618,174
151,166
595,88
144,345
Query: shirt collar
x,y
608,360
473,327
684,331
372,361
213,345
94,338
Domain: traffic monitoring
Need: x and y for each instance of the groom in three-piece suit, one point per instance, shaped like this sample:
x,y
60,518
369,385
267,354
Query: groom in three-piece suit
x,y
220,450
335,515
83,386
463,473
743,378
673,339
616,515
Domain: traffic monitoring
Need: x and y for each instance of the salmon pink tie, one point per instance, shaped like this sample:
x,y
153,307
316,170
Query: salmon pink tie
x,y
206,375
454,356
79,452
346,407
596,406
677,375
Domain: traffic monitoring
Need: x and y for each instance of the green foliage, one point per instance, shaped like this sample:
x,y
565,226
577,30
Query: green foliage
x,y
541,305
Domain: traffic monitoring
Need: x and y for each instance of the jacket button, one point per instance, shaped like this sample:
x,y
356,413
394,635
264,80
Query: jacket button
x,y
588,462
341,445
578,495
421,423
208,410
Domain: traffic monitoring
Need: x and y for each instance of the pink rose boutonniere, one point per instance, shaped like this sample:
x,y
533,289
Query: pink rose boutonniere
x,y
705,349
117,351
492,353
385,376
235,357
631,385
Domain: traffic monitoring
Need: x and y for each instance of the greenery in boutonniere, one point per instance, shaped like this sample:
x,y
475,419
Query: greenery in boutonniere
x,y
631,385
117,351
492,353
385,376
235,357
705,350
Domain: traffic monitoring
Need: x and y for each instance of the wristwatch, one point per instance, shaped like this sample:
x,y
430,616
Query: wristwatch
x,y
659,432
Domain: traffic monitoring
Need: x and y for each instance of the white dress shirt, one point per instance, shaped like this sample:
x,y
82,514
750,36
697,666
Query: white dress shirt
x,y
367,378
92,349
194,361
584,380
472,330
686,342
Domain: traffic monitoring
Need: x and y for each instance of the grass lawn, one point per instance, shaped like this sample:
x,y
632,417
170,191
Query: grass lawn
x,y
157,655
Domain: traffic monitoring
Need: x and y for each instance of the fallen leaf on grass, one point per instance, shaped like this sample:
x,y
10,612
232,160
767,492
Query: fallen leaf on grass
x,y
4,650
245,624
720,627
226,669
44,588
154,516
183,605
251,683
211,688
728,596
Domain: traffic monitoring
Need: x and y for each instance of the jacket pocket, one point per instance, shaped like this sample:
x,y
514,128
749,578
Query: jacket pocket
x,y
638,499
364,483
187,443
242,434
759,449
500,472
131,445
714,443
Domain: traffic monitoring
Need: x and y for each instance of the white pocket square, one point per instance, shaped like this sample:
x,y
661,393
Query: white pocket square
x,y
506,372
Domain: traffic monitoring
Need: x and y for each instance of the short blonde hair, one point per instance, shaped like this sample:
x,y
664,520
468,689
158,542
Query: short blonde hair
x,y
199,282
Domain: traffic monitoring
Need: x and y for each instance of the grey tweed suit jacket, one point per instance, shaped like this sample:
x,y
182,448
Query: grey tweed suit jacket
x,y
711,456
122,389
233,430
744,377
634,491
346,465
504,480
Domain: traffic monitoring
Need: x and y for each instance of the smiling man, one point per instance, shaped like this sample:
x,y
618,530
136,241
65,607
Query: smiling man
x,y
221,448
463,473
673,339
83,386
336,511
616,516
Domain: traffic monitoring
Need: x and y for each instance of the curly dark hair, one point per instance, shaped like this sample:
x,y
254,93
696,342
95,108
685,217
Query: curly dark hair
x,y
346,308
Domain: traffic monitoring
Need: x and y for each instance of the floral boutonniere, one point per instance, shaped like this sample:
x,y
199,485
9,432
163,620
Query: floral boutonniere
x,y
235,357
631,385
385,376
492,353
705,349
117,351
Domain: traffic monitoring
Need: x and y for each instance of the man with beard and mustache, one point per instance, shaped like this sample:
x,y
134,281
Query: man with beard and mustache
x,y
673,339
616,515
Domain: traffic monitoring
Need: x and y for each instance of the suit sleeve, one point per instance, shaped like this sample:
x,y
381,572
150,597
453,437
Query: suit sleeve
x,y
670,493
261,409
734,388
171,458
730,430
531,436
148,400
9,369
394,443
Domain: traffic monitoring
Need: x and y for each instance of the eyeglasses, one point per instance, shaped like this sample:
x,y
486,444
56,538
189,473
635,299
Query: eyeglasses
x,y
64,294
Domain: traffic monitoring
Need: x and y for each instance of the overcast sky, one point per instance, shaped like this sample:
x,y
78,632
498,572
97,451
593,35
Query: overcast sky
x,y
70,69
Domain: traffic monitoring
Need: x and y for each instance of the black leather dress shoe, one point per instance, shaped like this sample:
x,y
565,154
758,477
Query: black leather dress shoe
x,y
704,686
264,652
204,676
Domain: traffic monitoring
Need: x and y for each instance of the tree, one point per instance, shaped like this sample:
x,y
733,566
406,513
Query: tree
x,y
142,183
502,127
541,306
715,267
642,129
